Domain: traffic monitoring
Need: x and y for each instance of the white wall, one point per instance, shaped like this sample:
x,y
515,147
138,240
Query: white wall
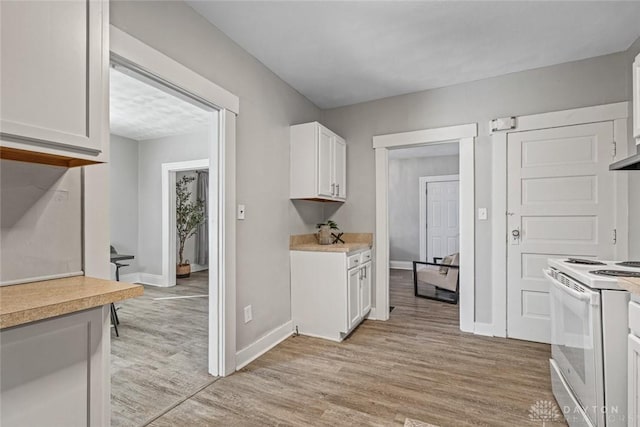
x,y
123,215
404,204
268,106
190,245
589,82
40,215
152,153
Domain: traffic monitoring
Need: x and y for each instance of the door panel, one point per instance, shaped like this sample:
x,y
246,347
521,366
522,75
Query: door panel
x,y
366,289
560,198
340,167
442,219
353,297
325,154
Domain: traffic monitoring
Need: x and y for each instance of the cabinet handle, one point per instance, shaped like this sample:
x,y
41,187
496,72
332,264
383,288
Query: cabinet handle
x,y
364,272
333,189
338,190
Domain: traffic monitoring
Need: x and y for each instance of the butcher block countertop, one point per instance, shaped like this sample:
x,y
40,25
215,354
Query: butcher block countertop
x,y
29,302
353,242
631,284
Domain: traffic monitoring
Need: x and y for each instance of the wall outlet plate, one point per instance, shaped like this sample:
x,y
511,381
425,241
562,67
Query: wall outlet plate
x,y
241,210
248,316
482,214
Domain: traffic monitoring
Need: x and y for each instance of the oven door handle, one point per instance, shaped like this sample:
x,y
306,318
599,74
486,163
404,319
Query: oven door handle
x,y
592,297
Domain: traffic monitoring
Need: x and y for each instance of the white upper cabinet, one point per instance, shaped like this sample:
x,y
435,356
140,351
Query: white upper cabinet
x,y
636,99
53,68
318,163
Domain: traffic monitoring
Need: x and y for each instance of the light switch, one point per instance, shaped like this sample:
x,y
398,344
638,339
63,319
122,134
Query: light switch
x,y
482,214
240,211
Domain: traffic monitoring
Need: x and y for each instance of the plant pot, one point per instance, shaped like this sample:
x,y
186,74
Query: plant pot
x,y
324,235
183,271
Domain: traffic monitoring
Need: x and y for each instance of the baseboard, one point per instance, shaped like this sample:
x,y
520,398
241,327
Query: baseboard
x,y
152,279
264,344
198,267
130,278
401,265
485,329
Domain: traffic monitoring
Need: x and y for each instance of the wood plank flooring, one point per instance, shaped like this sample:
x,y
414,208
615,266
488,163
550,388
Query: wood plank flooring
x,y
161,355
417,365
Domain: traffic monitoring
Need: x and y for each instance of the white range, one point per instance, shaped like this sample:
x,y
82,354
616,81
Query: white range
x,y
589,327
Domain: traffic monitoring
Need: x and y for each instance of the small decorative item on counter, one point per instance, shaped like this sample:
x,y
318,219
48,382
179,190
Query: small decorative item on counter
x,y
324,232
337,238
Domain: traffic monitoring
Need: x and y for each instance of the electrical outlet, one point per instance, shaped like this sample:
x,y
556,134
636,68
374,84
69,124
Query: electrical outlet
x,y
482,214
240,211
248,316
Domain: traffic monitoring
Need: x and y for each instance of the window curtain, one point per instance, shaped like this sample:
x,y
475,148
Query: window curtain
x,y
202,234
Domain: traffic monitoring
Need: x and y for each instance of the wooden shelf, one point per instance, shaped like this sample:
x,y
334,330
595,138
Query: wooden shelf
x,y
18,155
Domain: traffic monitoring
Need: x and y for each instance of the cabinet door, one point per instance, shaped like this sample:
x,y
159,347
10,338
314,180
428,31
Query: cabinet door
x,y
340,167
636,99
633,376
366,289
51,74
353,297
326,186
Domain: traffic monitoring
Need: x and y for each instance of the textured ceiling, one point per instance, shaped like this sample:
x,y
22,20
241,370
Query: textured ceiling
x,y
343,52
432,150
140,111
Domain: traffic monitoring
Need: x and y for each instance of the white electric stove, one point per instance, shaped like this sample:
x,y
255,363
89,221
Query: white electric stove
x,y
589,330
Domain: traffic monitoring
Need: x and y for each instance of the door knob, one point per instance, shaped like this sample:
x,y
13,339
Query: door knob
x,y
515,233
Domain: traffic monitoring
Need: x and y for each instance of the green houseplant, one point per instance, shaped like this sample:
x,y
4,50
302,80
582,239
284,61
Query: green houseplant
x,y
324,232
189,215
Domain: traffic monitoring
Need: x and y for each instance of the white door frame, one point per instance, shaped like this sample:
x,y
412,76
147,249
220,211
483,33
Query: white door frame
x,y
169,215
465,135
423,181
157,67
618,113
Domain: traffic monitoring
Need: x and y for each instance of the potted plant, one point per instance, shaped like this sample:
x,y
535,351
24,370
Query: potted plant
x,y
189,215
324,232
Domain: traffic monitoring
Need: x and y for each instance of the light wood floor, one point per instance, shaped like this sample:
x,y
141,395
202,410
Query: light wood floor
x,y
161,355
417,365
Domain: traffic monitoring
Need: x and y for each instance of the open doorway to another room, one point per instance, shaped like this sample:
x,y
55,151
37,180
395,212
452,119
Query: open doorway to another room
x,y
423,189
160,341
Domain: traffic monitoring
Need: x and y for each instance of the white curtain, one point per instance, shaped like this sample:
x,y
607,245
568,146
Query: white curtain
x,y
202,234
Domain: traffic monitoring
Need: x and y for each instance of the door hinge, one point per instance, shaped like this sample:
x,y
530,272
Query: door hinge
x,y
614,150
614,236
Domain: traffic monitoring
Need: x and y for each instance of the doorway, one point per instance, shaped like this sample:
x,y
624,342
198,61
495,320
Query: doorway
x,y
465,136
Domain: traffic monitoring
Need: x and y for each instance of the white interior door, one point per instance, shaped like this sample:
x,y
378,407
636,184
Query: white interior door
x,y
560,203
443,224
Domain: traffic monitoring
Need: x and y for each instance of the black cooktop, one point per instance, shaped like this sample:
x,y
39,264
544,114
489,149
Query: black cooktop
x,y
616,273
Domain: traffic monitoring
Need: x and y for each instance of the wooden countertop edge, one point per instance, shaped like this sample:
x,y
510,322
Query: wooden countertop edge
x,y
630,284
72,305
316,247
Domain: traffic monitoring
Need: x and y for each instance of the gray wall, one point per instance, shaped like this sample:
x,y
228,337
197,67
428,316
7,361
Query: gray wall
x,y
40,215
404,204
123,215
589,82
268,106
151,155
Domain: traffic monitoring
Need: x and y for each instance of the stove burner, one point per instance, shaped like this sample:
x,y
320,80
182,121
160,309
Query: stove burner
x,y
616,273
634,264
585,261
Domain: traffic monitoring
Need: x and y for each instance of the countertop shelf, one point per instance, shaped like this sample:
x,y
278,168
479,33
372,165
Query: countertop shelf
x,y
353,242
630,284
30,302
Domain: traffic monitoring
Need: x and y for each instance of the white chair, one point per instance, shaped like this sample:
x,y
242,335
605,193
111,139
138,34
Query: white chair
x,y
443,276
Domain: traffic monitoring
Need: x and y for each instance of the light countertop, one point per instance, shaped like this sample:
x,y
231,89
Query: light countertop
x,y
630,284
29,302
353,242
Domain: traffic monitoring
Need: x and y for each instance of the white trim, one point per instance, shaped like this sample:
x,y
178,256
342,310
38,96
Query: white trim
x,y
264,344
168,70
401,265
151,279
465,134
130,52
481,328
168,213
130,278
422,197
618,113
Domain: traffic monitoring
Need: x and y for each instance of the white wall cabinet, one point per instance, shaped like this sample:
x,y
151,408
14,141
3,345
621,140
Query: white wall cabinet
x,y
636,99
55,372
633,403
318,163
53,68
330,292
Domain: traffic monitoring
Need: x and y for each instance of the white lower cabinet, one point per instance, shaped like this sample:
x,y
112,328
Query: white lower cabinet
x,y
634,365
55,372
330,292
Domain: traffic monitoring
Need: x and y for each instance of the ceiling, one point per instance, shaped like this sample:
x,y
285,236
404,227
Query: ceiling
x,y
432,150
141,111
344,52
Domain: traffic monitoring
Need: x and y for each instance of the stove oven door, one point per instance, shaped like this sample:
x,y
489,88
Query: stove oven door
x,y
576,345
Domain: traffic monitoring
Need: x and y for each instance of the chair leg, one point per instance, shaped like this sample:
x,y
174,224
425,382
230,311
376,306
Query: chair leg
x,y
115,313
113,320
415,280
